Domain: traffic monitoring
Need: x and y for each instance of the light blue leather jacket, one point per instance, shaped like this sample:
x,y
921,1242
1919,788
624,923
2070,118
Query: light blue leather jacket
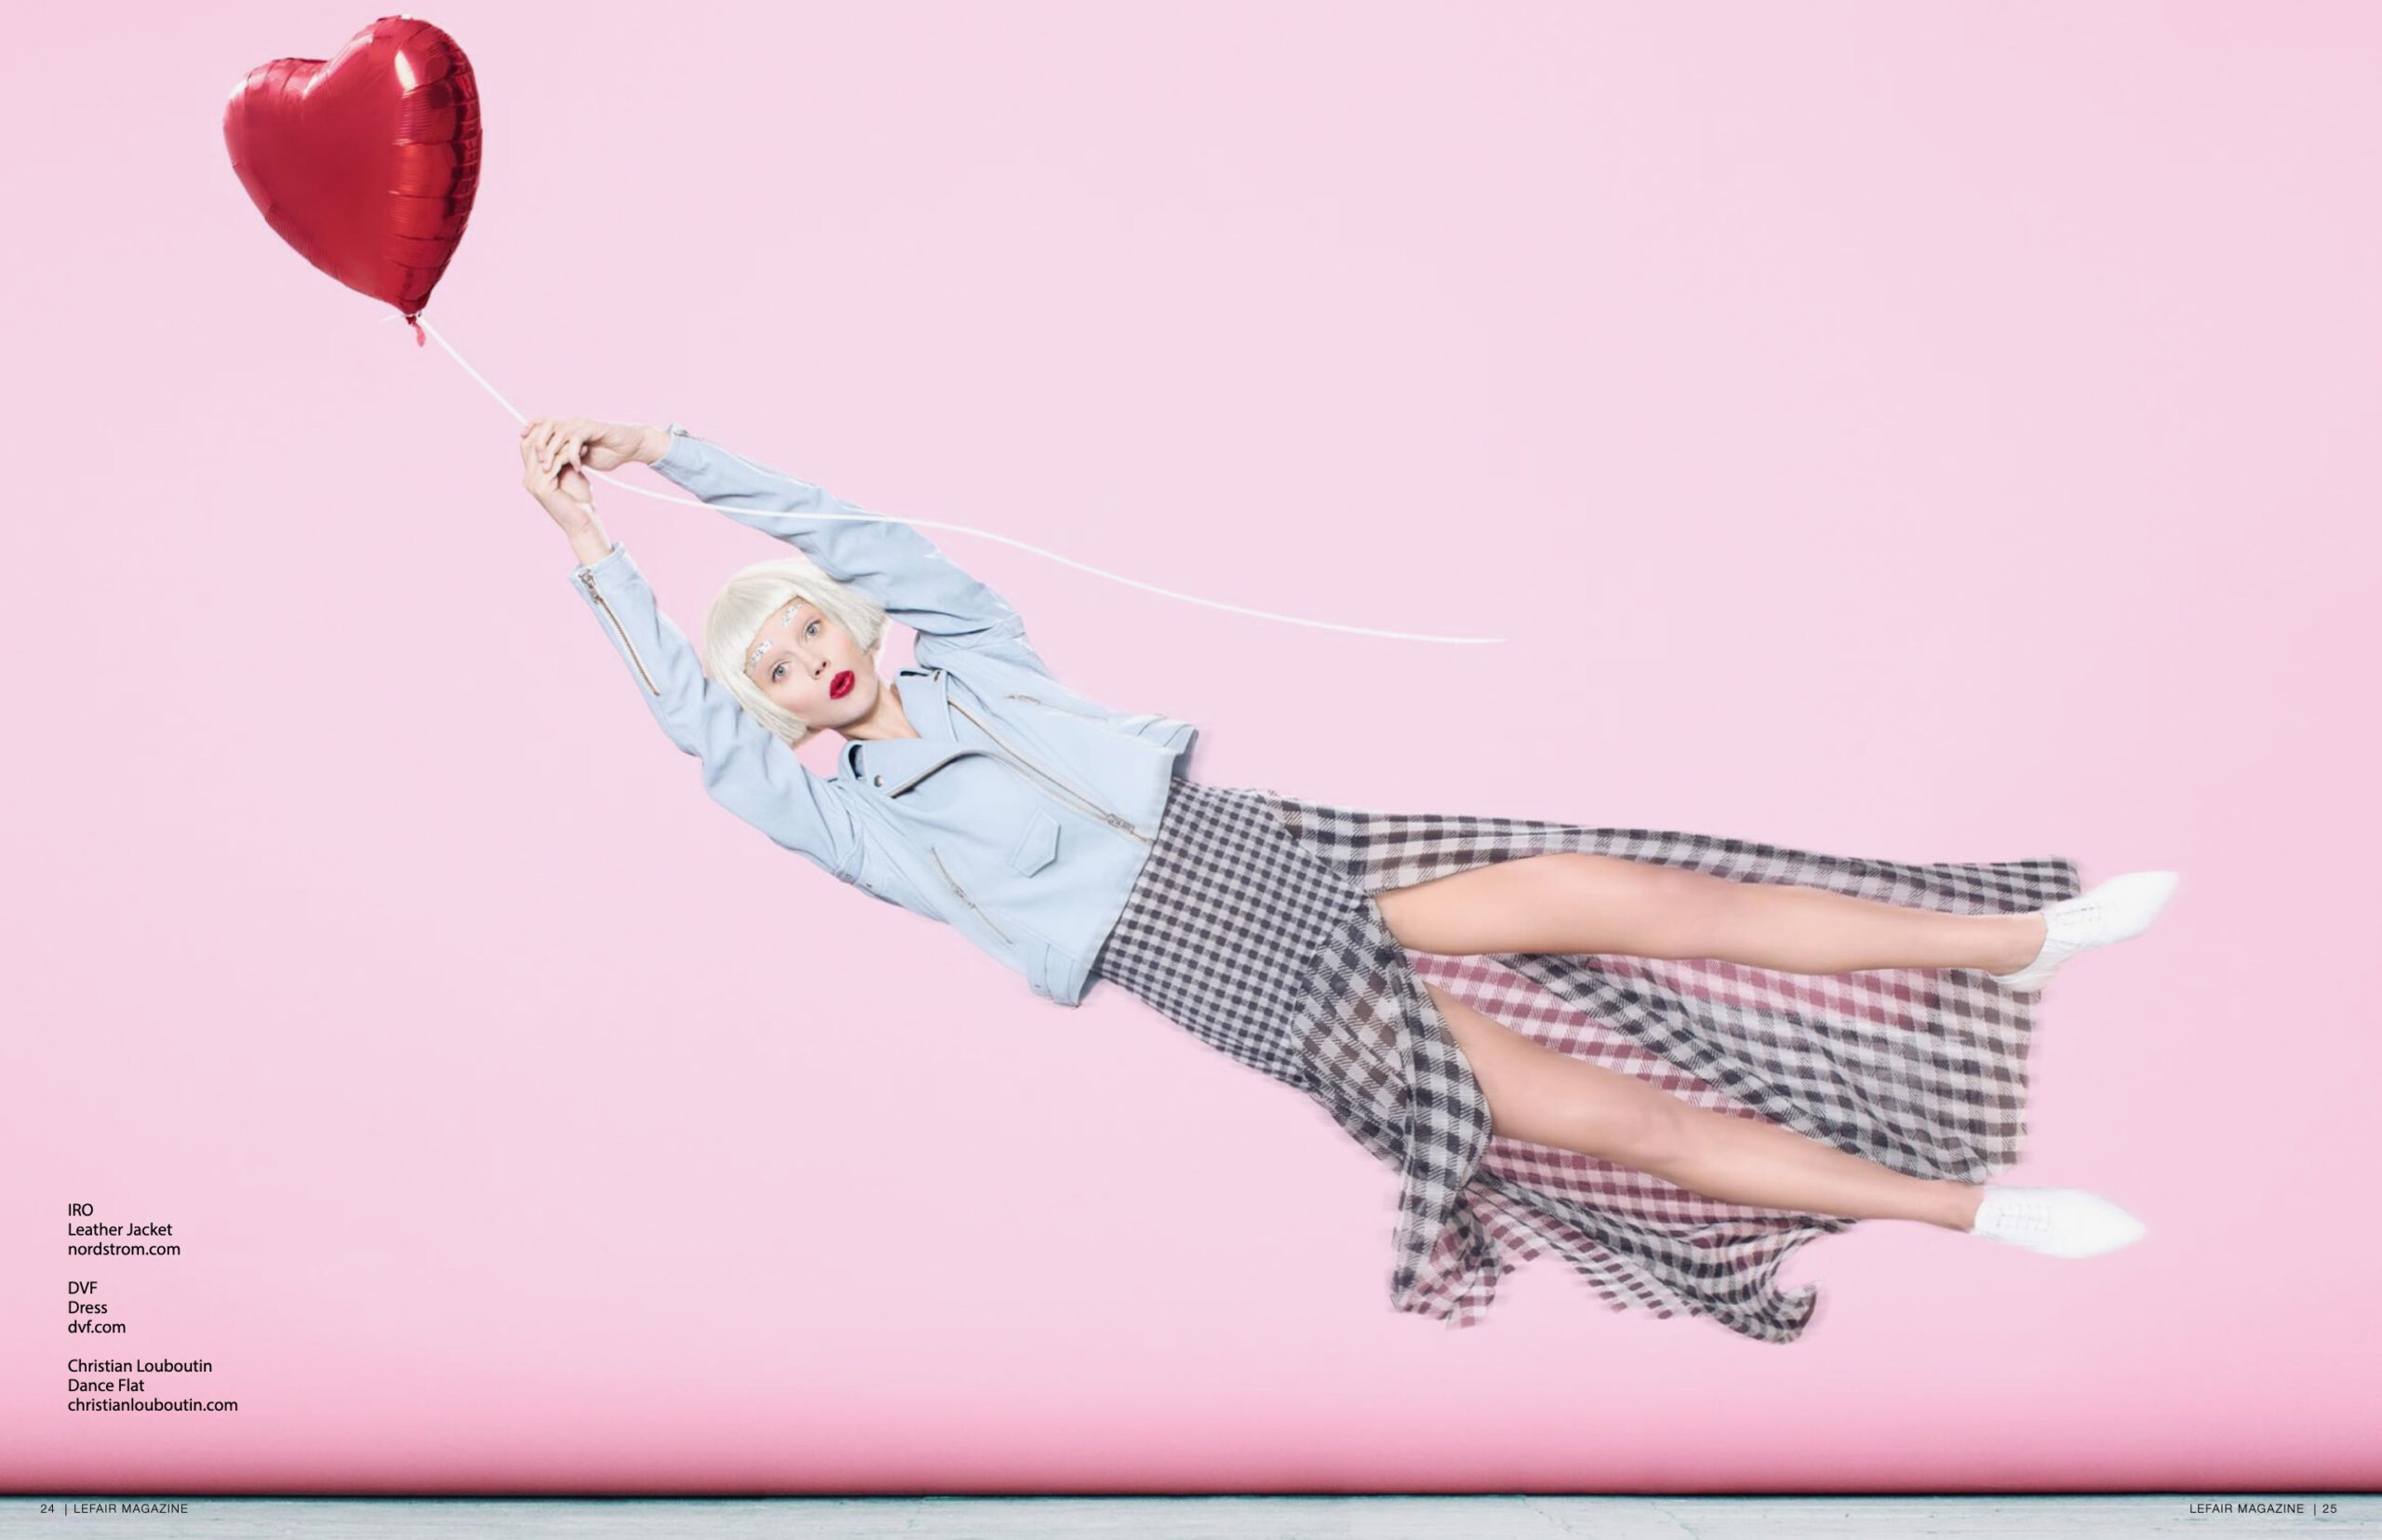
x,y
1023,813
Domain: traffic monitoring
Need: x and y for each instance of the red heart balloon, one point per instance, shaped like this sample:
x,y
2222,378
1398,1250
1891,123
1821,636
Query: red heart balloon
x,y
364,163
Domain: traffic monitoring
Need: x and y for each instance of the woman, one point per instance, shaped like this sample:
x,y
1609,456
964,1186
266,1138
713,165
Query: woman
x,y
1669,1058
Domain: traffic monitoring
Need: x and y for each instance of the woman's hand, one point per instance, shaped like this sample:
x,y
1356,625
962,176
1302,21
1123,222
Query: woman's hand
x,y
568,499
585,441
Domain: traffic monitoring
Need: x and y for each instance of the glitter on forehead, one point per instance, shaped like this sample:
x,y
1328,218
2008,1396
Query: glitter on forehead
x,y
784,620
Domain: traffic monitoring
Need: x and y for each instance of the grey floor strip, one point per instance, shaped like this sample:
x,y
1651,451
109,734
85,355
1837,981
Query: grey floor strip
x,y
1370,1518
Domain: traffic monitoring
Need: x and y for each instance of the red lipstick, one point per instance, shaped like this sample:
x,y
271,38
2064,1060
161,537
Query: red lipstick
x,y
840,686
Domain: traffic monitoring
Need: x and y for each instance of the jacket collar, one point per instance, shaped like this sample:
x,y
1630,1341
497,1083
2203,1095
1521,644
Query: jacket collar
x,y
926,701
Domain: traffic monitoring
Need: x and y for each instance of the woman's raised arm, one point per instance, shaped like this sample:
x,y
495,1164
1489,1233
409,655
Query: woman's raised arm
x,y
898,568
901,571
747,767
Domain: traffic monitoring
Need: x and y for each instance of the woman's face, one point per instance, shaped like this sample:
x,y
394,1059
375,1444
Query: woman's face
x,y
808,664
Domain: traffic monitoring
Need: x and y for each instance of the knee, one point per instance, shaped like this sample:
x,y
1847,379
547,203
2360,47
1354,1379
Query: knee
x,y
1643,887
1645,1130
1654,911
1690,890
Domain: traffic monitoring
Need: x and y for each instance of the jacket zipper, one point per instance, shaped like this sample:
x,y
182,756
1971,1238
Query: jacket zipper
x,y
630,646
954,883
1054,705
1088,804
898,790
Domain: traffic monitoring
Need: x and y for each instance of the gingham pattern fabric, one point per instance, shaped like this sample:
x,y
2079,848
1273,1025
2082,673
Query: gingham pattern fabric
x,y
1252,925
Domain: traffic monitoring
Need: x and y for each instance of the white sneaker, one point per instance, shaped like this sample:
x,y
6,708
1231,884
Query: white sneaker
x,y
2120,909
2057,1221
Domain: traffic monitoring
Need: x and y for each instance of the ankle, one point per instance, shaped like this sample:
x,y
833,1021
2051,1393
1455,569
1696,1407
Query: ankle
x,y
2021,943
1960,1200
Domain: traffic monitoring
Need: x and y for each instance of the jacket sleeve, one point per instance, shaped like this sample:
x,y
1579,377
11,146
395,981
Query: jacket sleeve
x,y
747,767
896,568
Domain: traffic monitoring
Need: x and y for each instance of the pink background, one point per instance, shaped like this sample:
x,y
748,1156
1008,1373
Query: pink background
x,y
1932,433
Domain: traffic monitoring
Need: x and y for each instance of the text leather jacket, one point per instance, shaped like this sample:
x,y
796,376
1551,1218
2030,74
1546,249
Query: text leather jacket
x,y
1021,816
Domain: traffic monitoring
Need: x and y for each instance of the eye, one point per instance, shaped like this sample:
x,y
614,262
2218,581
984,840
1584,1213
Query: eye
x,y
812,629
777,673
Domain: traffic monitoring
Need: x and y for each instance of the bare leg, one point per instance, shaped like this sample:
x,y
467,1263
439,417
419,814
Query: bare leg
x,y
1567,902
1544,1097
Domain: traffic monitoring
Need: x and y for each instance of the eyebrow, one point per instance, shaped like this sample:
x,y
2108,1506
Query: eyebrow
x,y
796,603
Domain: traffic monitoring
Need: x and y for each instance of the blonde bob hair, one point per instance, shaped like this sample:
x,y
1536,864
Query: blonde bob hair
x,y
748,600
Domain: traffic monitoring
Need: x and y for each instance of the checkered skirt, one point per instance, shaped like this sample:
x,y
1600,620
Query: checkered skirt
x,y
1253,926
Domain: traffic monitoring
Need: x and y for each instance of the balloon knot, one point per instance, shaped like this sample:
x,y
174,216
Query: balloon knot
x,y
419,340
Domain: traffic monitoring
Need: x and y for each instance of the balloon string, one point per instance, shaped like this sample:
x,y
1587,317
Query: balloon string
x,y
961,529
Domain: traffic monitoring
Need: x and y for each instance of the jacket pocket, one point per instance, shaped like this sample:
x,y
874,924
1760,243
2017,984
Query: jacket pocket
x,y
1038,846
